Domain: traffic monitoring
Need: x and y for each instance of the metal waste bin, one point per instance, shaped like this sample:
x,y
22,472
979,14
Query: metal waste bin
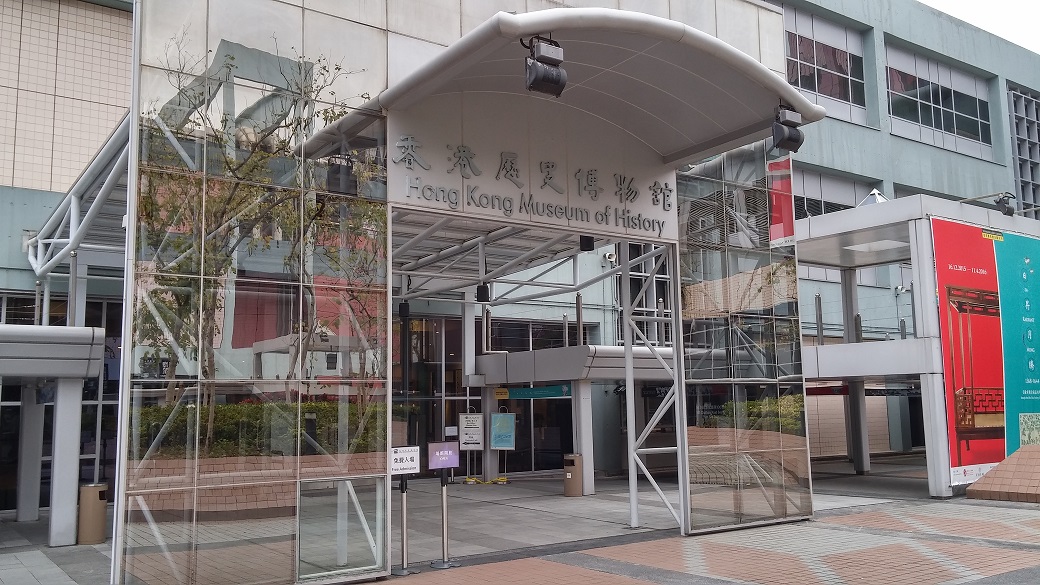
x,y
93,503
572,467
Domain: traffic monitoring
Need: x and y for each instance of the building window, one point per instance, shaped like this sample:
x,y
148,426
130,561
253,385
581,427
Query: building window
x,y
933,105
825,70
825,61
1025,144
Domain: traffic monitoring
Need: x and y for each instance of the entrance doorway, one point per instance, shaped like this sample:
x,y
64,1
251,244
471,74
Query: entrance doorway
x,y
545,433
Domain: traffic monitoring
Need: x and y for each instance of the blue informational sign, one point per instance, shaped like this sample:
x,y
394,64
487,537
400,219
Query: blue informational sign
x,y
503,431
443,455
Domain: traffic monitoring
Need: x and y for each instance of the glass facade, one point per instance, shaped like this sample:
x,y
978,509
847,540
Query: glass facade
x,y
259,331
930,104
746,427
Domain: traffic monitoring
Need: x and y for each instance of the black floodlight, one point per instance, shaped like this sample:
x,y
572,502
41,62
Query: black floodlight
x,y
586,243
1003,203
544,73
483,293
786,135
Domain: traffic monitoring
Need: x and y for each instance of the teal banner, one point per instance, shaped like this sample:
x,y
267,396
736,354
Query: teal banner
x,y
1019,291
558,391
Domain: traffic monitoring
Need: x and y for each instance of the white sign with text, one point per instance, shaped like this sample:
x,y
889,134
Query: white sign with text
x,y
404,460
527,160
472,428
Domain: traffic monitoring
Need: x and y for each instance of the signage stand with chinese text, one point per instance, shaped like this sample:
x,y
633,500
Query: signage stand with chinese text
x,y
444,456
403,461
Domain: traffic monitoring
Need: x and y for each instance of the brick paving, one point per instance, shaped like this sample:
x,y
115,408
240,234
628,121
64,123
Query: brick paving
x,y
894,542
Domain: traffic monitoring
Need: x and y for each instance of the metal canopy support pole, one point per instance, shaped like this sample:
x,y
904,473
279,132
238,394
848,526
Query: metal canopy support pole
x,y
68,403
933,387
30,455
585,434
679,376
859,444
630,387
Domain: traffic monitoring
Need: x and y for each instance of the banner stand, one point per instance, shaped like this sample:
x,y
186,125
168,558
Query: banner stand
x,y
404,570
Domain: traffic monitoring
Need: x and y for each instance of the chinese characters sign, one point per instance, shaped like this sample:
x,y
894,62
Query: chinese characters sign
x,y
529,161
443,455
404,460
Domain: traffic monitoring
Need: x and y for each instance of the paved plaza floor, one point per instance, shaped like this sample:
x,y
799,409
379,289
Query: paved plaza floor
x,y
864,531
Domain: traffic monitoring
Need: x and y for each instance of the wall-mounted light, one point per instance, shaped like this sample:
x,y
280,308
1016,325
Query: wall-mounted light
x,y
544,73
786,135
1003,203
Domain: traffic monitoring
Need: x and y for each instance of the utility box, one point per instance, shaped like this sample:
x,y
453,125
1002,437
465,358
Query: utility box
x,y
93,503
572,472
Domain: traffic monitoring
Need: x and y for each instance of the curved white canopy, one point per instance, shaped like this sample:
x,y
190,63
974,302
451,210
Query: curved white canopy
x,y
684,93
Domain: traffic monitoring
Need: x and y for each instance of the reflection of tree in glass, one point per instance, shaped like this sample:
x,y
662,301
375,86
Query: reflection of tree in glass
x,y
220,183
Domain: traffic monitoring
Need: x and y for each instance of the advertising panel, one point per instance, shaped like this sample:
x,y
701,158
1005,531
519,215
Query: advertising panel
x,y
503,431
986,321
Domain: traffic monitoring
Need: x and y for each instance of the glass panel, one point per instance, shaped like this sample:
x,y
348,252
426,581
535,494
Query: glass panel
x,y
753,351
453,378
173,122
276,34
163,424
252,229
21,311
231,512
831,58
343,429
902,83
251,329
337,47
833,85
792,44
965,104
711,437
984,110
948,122
926,115
88,431
169,223
859,96
904,108
792,72
807,77
166,334
247,433
518,459
805,50
986,137
510,336
252,128
355,167
342,526
856,66
788,347
173,36
344,335
553,432
10,428
968,127
345,242
159,520
108,444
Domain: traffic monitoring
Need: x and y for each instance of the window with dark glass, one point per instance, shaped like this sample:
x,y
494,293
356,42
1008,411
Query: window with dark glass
x,y
936,106
826,70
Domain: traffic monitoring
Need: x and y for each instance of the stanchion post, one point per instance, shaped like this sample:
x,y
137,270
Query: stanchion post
x,y
445,562
404,570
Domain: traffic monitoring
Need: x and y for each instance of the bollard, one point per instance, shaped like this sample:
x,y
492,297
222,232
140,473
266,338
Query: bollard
x,y
404,570
445,562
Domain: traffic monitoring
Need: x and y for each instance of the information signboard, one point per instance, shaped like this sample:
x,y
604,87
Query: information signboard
x,y
404,460
472,428
503,431
443,455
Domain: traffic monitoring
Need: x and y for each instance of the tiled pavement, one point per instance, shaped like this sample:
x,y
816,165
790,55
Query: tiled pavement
x,y
896,542
853,540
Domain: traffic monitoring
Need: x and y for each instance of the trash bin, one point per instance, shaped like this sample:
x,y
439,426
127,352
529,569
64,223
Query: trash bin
x,y
93,503
572,466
